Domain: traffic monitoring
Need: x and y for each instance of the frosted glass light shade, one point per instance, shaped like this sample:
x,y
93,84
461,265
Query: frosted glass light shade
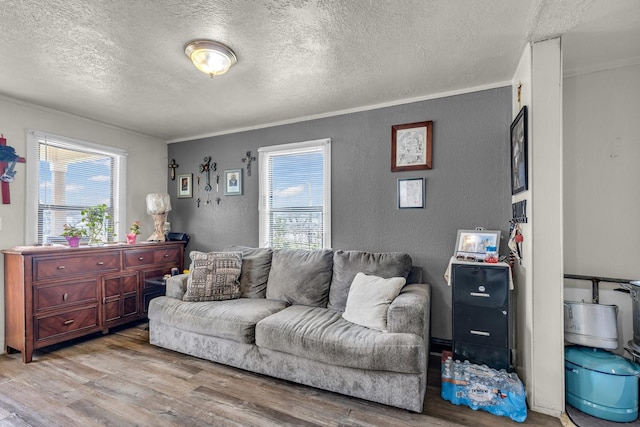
x,y
210,57
158,203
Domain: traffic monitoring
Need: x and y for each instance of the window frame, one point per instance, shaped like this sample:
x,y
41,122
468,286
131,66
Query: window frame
x,y
33,179
264,153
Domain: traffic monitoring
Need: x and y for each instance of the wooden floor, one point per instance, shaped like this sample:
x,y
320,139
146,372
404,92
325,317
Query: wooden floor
x,y
121,380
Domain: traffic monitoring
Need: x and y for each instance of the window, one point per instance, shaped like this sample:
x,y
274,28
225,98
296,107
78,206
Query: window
x,y
68,176
295,195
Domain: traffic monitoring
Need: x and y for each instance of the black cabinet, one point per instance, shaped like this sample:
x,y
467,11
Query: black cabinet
x,y
482,318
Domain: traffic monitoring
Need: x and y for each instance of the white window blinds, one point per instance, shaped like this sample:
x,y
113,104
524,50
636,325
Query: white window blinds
x,y
295,195
69,176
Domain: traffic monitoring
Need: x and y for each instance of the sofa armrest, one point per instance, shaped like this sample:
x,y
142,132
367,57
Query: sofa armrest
x,y
411,310
177,286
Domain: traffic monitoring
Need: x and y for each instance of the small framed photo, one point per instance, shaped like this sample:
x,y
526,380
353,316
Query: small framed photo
x,y
185,185
519,163
471,245
233,182
411,193
411,146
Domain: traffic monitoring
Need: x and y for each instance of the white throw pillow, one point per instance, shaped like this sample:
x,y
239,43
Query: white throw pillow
x,y
369,299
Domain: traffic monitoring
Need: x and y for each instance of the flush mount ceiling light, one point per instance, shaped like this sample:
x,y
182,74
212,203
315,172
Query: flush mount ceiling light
x,y
210,57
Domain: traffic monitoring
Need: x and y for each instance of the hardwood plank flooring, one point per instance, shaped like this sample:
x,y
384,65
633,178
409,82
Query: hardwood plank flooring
x,y
121,380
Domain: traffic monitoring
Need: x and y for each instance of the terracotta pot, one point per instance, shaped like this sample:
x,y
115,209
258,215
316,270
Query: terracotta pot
x,y
131,238
74,241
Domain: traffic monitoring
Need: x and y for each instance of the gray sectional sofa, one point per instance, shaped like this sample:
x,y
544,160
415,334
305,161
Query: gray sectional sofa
x,y
288,323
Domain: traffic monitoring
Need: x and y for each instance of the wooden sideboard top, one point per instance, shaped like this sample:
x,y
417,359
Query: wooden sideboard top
x,y
28,250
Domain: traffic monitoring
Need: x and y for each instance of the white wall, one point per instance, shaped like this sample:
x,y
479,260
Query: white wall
x,y
146,167
602,185
538,279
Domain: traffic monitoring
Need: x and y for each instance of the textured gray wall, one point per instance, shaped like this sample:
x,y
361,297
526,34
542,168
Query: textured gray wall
x,y
468,186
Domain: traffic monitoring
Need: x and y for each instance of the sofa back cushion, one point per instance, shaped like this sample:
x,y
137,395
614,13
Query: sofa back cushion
x,y
256,263
346,264
300,276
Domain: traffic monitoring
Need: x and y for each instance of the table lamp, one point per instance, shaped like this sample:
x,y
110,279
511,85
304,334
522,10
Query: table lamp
x,y
157,206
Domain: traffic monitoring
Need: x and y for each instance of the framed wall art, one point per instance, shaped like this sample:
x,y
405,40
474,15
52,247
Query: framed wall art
x,y
185,185
411,146
411,193
233,182
519,149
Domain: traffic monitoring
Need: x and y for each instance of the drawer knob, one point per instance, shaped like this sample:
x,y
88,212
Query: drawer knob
x,y
65,297
479,294
166,255
141,258
68,322
100,262
482,333
61,267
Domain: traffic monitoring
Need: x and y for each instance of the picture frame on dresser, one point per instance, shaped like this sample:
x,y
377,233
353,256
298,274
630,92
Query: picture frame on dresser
x,y
472,245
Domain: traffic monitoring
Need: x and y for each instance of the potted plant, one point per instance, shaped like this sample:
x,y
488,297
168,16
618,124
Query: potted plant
x,y
73,234
96,218
134,230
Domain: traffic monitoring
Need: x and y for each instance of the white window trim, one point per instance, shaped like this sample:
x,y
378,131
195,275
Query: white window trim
x,y
33,174
263,207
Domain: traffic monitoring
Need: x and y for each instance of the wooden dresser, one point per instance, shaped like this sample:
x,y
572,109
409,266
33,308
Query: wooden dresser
x,y
53,294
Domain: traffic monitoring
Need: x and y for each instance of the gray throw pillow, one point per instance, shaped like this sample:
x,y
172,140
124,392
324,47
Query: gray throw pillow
x,y
256,263
300,276
346,264
213,276
369,300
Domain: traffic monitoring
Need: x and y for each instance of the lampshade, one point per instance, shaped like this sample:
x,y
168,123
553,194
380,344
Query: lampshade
x,y
210,57
158,203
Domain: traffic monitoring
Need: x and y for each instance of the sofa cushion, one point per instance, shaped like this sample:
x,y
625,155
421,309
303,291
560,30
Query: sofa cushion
x,y
321,334
346,264
300,276
256,263
369,300
231,319
213,276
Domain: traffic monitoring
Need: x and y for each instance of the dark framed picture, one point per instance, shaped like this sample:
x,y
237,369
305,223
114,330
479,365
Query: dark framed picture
x,y
411,193
519,150
411,146
185,185
233,182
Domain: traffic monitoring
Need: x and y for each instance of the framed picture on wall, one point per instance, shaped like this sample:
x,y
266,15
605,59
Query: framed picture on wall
x,y
411,146
411,193
185,185
233,182
519,163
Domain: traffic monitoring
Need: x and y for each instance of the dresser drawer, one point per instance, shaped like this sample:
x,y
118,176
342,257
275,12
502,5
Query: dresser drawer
x,y
63,294
481,325
54,326
480,286
493,357
138,257
55,267
167,256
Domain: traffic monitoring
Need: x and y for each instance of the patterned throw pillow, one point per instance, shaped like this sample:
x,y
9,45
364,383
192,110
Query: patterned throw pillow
x,y
213,276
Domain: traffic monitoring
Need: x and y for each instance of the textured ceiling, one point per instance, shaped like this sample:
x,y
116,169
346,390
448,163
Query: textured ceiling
x,y
122,62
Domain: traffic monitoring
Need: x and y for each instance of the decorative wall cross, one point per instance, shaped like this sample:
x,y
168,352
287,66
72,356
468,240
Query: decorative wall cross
x,y
172,167
248,161
206,167
8,159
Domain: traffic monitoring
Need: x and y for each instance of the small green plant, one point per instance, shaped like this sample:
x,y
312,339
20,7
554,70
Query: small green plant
x,y
70,230
135,227
96,218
